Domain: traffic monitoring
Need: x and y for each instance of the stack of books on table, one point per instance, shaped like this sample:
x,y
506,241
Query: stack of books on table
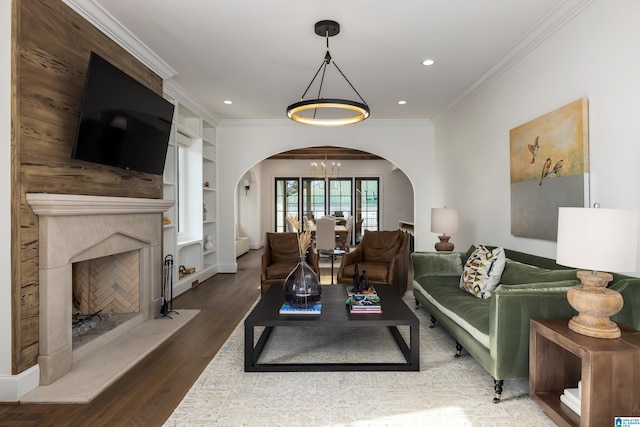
x,y
366,301
365,306
571,398
314,309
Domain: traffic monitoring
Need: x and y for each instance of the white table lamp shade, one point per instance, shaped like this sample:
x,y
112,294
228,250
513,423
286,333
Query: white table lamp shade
x,y
598,239
444,220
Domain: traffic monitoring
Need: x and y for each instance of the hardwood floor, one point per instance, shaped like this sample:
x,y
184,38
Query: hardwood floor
x,y
148,393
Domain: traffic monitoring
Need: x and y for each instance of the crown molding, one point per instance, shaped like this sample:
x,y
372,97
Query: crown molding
x,y
547,26
112,28
105,22
174,90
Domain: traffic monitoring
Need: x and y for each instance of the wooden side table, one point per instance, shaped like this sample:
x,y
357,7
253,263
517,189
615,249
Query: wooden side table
x,y
609,369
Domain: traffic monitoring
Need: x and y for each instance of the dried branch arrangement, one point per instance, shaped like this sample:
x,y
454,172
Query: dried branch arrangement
x,y
293,220
304,241
304,238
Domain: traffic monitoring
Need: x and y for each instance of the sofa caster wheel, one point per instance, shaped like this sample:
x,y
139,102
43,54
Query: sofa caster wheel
x,y
458,350
433,322
417,303
498,390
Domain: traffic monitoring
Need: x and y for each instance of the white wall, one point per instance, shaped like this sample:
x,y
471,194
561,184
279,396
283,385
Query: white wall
x,y
249,202
596,55
399,200
396,193
5,188
243,144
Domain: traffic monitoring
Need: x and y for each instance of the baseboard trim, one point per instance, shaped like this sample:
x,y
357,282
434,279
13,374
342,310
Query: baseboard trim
x,y
256,245
228,268
193,279
13,387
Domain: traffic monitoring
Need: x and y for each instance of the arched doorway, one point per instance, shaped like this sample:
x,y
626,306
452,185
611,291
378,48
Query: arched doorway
x,y
408,145
371,189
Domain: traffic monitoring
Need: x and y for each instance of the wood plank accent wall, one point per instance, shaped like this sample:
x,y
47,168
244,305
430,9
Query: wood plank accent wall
x,y
51,45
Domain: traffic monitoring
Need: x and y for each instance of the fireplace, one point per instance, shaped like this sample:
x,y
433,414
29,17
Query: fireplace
x,y
106,294
74,229
109,284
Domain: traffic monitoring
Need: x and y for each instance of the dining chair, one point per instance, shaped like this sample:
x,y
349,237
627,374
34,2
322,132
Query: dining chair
x,y
349,226
326,238
326,233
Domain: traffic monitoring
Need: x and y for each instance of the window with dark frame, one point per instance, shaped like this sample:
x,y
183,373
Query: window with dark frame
x,y
340,197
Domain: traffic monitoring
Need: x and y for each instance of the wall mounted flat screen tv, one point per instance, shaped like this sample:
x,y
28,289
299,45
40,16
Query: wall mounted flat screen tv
x,y
122,122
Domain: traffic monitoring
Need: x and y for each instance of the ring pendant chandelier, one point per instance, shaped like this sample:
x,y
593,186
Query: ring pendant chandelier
x,y
358,111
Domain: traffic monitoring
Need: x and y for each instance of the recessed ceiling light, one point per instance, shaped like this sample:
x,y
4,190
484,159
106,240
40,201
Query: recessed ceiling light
x,y
428,62
228,102
402,102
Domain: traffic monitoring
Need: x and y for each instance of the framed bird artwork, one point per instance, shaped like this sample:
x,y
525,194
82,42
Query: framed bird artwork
x,y
549,169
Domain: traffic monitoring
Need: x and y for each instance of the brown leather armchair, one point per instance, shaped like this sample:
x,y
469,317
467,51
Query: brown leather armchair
x,y
384,255
280,257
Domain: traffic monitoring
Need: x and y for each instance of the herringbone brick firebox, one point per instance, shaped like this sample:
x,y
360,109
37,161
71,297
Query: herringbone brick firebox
x,y
109,284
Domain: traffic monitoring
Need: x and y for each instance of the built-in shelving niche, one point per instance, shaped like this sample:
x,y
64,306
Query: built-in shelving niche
x,y
186,230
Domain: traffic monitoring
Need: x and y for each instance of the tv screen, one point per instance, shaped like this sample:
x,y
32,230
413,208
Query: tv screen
x,y
122,122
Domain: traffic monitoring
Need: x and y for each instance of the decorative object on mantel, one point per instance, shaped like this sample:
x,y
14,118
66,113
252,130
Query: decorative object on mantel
x,y
549,159
302,287
209,243
206,184
343,109
166,220
444,220
596,239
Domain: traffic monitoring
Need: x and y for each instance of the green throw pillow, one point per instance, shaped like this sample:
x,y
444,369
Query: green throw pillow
x,y
482,271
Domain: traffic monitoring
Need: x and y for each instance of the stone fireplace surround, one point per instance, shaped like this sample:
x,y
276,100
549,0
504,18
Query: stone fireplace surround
x,y
75,228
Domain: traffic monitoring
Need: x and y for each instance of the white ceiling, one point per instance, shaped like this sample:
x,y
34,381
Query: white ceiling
x,y
262,54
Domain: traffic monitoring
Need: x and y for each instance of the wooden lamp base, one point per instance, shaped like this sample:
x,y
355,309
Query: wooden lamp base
x,y
595,303
444,245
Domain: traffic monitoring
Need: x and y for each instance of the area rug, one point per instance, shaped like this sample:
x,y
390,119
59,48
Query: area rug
x,y
445,392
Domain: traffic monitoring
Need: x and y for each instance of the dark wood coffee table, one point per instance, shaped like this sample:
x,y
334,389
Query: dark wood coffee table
x,y
334,312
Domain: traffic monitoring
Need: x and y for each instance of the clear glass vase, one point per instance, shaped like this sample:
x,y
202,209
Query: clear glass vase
x,y
302,287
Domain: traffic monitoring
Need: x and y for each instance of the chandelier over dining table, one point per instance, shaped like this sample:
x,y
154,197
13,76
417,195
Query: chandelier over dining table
x,y
322,170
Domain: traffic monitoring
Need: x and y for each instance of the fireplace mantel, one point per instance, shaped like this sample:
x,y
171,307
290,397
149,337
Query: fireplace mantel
x,y
44,204
75,228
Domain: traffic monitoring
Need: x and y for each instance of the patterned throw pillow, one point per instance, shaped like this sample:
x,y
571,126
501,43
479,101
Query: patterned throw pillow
x,y
482,271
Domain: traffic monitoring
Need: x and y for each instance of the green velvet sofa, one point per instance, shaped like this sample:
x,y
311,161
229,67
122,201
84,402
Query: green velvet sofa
x,y
495,331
